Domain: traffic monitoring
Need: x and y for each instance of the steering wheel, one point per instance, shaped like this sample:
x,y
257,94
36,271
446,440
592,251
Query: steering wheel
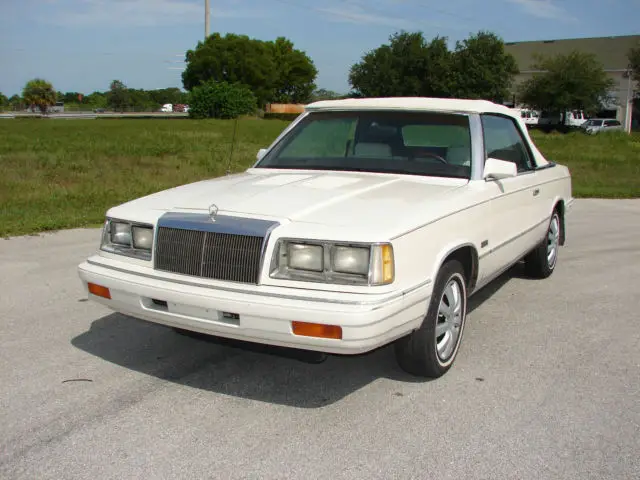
x,y
434,155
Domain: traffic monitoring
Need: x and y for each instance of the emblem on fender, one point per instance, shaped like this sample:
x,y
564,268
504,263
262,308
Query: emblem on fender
x,y
213,212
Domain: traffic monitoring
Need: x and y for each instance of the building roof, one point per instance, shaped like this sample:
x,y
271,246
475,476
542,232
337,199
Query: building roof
x,y
411,103
610,51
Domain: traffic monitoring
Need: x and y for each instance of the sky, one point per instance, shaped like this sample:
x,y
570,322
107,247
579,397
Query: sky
x,y
81,45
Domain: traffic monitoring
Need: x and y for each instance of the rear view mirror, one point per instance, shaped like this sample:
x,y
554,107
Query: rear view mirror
x,y
495,169
261,153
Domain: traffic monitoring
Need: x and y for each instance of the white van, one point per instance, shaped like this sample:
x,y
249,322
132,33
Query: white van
x,y
530,117
574,118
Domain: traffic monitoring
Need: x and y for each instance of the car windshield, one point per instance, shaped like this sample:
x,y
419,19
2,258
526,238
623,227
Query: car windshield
x,y
410,143
593,123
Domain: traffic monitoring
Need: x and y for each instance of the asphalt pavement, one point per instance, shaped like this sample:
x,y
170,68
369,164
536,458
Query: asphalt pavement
x,y
546,384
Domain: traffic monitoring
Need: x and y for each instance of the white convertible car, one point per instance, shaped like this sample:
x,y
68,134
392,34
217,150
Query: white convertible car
x,y
366,222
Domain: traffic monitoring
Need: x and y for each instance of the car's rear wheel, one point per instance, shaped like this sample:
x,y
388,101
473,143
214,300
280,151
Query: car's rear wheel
x,y
431,350
541,262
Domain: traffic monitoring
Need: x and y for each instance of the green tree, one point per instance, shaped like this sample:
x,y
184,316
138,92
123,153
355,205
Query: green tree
x,y
410,65
4,101
16,102
70,97
118,96
324,94
232,59
483,69
272,70
221,100
40,93
573,81
95,100
168,95
296,73
407,66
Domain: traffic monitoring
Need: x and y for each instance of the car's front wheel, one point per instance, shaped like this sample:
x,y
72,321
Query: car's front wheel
x,y
430,350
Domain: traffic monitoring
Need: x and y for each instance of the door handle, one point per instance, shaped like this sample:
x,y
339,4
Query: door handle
x,y
536,191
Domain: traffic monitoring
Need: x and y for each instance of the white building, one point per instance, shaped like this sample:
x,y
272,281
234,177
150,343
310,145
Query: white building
x,y
610,51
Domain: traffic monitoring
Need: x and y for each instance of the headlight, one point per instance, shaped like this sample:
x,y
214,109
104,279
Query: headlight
x,y
127,238
329,262
121,233
305,257
350,260
142,237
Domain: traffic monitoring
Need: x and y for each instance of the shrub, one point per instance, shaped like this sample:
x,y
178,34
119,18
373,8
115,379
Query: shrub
x,y
221,100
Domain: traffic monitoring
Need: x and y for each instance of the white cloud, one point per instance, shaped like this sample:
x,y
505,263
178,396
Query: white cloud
x,y
544,9
352,13
139,13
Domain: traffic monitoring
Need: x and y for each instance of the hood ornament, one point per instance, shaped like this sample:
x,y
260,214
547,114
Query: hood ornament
x,y
213,212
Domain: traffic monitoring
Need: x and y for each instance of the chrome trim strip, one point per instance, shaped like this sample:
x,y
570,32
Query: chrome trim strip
x,y
514,238
263,250
224,224
487,280
469,207
389,298
409,290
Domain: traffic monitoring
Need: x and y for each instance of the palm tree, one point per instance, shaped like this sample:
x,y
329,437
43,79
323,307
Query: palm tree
x,y
39,92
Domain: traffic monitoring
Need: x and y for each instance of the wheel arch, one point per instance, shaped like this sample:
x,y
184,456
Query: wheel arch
x,y
559,206
467,254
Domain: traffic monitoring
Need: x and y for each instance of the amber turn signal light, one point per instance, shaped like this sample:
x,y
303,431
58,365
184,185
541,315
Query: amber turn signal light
x,y
99,290
316,330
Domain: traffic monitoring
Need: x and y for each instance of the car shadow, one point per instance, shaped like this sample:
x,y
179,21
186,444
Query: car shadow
x,y
244,370
482,295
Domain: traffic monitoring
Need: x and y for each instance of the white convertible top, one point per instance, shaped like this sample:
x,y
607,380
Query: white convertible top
x,y
453,105
413,103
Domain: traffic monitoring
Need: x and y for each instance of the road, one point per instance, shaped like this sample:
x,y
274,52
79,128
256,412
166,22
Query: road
x,y
93,115
546,386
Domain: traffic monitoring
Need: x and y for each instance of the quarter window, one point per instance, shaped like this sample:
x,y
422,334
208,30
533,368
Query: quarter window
x,y
503,141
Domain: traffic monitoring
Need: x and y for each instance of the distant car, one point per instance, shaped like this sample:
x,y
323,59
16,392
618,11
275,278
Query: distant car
x,y
598,125
366,222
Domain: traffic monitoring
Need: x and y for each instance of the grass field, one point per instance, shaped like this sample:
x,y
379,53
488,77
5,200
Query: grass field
x,y
67,173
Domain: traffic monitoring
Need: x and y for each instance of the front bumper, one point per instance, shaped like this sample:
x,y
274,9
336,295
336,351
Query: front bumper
x,y
261,318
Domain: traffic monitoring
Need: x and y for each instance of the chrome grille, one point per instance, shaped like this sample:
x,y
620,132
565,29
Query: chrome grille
x,y
216,255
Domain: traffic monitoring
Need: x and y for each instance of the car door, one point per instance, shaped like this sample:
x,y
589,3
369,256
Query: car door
x,y
514,201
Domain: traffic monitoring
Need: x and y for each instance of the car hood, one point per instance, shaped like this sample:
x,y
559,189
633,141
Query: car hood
x,y
329,198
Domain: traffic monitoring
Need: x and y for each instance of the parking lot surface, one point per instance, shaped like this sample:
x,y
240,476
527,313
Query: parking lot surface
x,y
546,385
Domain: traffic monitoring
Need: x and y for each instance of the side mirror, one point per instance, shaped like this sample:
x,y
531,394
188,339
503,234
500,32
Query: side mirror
x,y
261,153
495,169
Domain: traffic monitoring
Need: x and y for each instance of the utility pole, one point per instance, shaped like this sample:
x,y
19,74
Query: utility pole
x,y
629,110
207,17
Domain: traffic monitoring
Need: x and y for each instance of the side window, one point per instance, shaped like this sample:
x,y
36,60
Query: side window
x,y
503,141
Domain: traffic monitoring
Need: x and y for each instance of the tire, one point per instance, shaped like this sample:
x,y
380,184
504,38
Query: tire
x,y
419,352
542,260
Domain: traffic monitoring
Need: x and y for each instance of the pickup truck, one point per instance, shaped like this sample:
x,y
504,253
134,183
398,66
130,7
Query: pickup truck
x,y
367,222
